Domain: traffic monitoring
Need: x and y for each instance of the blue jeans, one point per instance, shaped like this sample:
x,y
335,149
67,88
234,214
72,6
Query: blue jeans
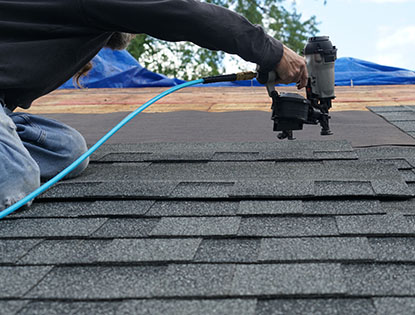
x,y
34,148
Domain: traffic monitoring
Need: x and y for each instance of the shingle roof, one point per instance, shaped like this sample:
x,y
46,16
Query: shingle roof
x,y
219,228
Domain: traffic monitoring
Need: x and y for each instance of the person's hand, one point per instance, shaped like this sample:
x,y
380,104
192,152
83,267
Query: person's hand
x,y
292,69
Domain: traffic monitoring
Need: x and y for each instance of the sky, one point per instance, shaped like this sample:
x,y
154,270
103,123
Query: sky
x,y
381,31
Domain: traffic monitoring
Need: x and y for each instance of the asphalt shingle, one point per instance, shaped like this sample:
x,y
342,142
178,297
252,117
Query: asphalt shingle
x,y
388,224
72,308
188,307
16,281
202,190
393,249
87,209
341,207
288,226
197,226
270,207
379,279
126,227
288,279
99,282
272,188
12,250
316,307
55,252
228,250
291,227
193,208
315,249
11,307
396,306
148,250
49,227
343,188
196,280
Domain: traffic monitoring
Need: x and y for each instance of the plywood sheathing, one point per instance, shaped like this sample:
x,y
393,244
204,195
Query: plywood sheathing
x,y
209,99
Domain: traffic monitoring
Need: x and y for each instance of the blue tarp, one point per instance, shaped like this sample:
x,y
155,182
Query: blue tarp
x,y
118,69
369,73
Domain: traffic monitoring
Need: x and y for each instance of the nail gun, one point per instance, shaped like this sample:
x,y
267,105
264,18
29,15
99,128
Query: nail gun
x,y
290,111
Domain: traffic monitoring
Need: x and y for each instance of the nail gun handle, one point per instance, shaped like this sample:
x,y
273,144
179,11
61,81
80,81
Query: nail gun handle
x,y
268,79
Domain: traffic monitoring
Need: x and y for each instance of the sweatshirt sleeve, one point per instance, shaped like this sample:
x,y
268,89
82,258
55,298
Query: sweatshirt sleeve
x,y
204,24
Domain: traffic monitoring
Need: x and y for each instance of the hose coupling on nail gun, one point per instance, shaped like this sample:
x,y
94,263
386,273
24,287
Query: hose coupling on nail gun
x,y
249,75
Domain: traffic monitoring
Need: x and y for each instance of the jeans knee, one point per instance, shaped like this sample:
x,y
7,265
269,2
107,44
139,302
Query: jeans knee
x,y
76,147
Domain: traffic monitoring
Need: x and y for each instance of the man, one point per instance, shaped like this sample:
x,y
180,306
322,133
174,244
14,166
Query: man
x,y
43,43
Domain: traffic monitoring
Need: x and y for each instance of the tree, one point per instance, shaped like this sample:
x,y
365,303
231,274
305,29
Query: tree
x,y
188,61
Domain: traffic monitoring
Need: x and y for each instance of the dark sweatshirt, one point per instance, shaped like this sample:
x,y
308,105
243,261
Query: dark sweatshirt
x,y
43,43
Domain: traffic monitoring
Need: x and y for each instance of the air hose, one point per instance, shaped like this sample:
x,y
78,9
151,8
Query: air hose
x,y
214,79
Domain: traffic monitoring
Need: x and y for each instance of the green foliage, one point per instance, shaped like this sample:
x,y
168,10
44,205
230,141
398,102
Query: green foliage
x,y
188,61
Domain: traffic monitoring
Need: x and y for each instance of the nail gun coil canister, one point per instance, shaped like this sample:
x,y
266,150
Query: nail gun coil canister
x,y
290,111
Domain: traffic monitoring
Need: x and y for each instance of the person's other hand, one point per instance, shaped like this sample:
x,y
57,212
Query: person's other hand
x,y
292,69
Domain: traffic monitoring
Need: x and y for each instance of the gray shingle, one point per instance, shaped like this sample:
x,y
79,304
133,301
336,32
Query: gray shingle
x,y
49,227
272,188
228,250
113,171
122,157
196,280
195,226
156,156
335,155
288,155
193,208
55,210
188,307
374,279
393,249
387,224
12,250
271,207
70,308
292,279
129,227
341,207
120,207
147,250
202,190
405,125
16,281
400,164
408,175
87,209
65,252
399,116
116,189
384,152
391,188
343,188
316,307
288,226
212,171
322,248
402,207
396,306
235,156
99,282
386,109
11,307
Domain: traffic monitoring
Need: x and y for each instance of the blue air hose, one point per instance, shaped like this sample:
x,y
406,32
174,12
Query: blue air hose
x,y
83,157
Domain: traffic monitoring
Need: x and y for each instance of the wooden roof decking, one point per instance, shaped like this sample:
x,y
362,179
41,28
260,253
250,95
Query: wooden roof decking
x,y
209,99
